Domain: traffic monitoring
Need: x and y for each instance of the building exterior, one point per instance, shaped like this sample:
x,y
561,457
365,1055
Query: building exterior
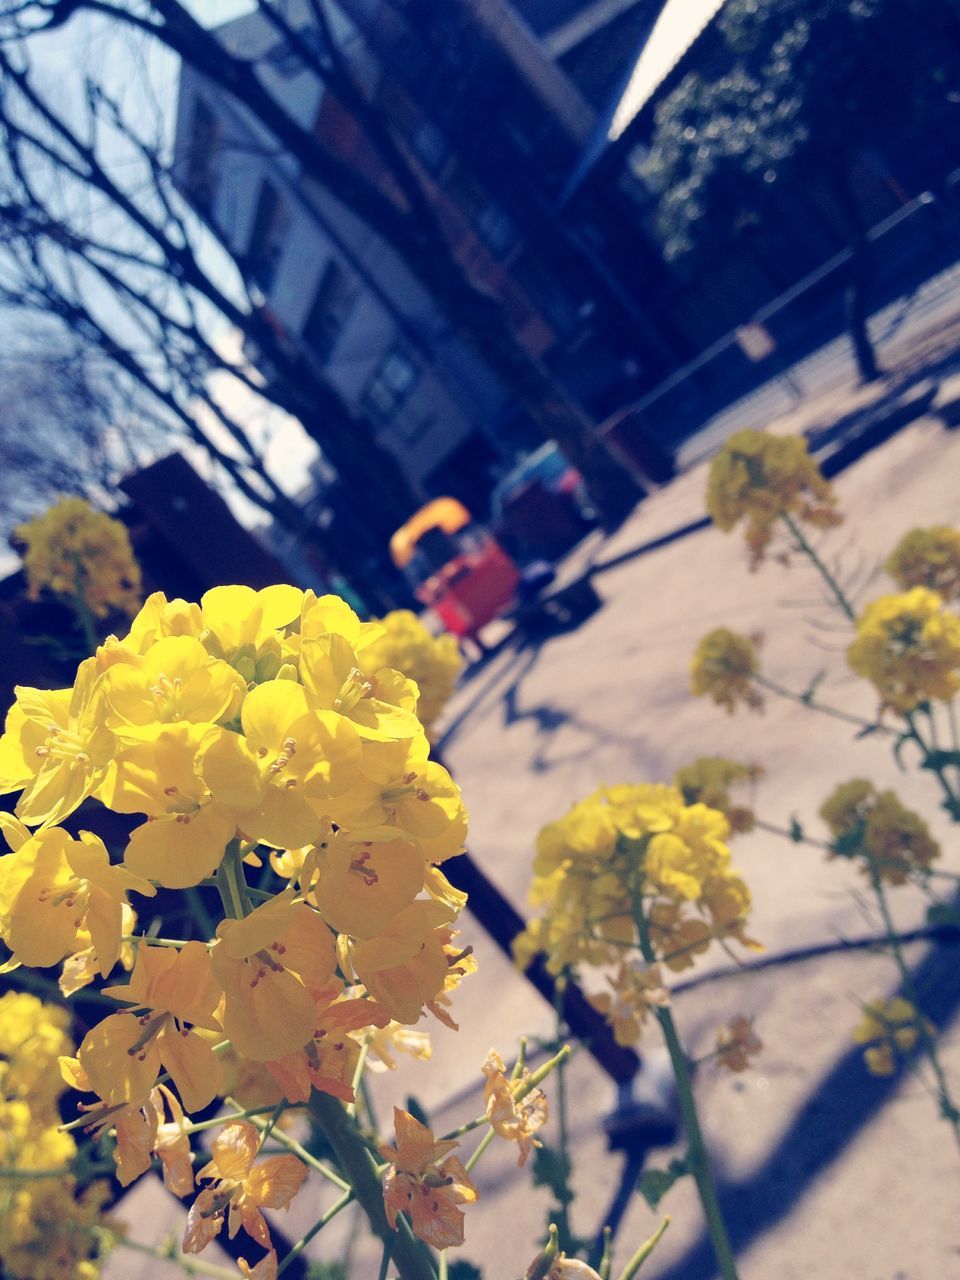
x,y
480,94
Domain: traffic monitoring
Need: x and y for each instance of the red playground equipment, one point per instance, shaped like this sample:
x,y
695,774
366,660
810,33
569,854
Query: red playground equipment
x,y
455,566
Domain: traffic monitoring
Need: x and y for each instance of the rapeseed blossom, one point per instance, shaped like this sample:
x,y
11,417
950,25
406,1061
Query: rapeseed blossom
x,y
426,1183
725,667
515,1109
894,841
709,779
908,646
630,879
737,1043
760,478
434,662
49,1227
82,554
889,1029
249,730
928,558
242,1186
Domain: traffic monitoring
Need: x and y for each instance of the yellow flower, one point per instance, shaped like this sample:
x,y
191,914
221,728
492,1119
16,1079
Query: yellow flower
x,y
175,681
627,845
55,748
908,646
329,1060
513,1118
174,990
894,839
187,831
758,478
637,989
61,892
384,1041
405,966
425,1183
383,706
267,965
434,662
888,1029
737,1043
709,780
81,553
361,885
242,1187
33,1035
725,666
928,558
281,772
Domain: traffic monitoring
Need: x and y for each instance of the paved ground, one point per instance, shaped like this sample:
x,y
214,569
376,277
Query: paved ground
x,y
824,1171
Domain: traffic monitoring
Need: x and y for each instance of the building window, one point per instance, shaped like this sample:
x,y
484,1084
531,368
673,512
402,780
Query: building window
x,y
332,304
266,240
496,229
204,156
391,384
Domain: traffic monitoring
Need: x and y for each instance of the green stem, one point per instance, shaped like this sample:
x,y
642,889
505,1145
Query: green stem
x,y
234,1116
354,1157
482,1145
808,550
83,611
951,801
644,1252
785,833
697,1157
824,708
302,1153
298,1248
948,1108
231,883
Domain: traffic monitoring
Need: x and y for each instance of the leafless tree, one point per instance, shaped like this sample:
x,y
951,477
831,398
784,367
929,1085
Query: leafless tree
x,y
408,222
96,235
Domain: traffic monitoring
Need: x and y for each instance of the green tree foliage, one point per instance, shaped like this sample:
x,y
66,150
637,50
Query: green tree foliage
x,y
795,92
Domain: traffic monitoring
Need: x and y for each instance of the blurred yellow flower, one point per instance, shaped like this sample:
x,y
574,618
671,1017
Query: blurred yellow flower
x,y
928,558
737,1043
908,646
888,1028
759,478
725,666
875,825
83,554
434,662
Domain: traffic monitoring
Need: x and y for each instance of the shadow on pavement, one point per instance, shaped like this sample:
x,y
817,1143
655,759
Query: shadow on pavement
x,y
842,1104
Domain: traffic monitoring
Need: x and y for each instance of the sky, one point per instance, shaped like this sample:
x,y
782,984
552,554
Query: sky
x,y
83,43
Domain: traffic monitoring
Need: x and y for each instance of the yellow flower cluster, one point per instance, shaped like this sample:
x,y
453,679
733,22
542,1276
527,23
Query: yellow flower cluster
x,y
874,825
889,1028
246,730
83,554
434,662
928,558
709,779
47,1227
908,646
760,478
633,873
725,666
